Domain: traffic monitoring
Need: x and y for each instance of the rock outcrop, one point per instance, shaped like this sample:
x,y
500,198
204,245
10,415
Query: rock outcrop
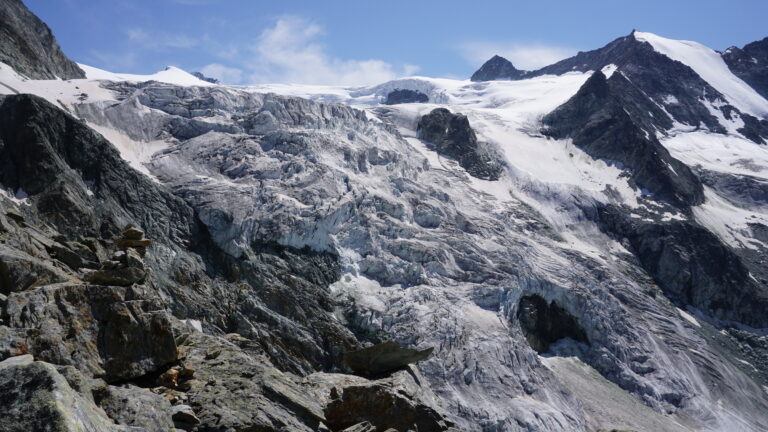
x,y
400,96
35,397
750,63
28,46
497,68
452,136
384,357
117,333
598,120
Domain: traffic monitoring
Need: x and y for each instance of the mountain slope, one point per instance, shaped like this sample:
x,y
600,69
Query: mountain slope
x,y
605,277
28,45
750,63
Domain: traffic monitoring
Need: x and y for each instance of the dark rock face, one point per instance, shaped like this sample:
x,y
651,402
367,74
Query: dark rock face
x,y
401,96
599,120
692,266
452,136
205,78
27,45
544,323
56,159
35,397
497,68
742,190
383,358
383,408
116,333
750,63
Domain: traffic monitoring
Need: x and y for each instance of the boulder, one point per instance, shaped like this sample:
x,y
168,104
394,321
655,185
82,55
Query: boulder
x,y
35,397
184,417
396,403
132,233
116,333
384,357
232,390
135,406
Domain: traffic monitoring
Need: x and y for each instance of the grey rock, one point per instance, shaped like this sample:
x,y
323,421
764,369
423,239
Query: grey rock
x,y
132,233
120,276
184,417
399,96
138,407
597,119
384,357
383,404
27,45
750,63
116,333
14,214
232,390
35,397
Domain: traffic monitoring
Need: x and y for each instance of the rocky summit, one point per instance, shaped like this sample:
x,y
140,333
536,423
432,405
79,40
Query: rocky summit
x,y
580,247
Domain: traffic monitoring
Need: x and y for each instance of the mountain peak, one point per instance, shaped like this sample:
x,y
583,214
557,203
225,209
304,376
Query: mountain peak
x,y
497,68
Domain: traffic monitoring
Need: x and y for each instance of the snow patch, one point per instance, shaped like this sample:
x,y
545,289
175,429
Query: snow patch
x,y
136,153
688,317
609,70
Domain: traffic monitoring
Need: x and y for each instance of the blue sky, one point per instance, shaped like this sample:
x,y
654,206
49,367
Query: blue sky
x,y
363,42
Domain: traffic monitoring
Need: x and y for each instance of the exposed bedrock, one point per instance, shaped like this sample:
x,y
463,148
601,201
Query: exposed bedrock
x,y
750,63
452,136
400,96
497,68
600,119
692,266
28,46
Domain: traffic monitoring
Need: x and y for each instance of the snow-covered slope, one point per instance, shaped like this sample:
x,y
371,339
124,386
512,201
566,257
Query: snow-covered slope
x,y
709,64
170,75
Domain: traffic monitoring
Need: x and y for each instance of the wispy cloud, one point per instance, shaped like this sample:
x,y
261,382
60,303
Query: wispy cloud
x,y
113,61
160,40
527,56
225,74
289,51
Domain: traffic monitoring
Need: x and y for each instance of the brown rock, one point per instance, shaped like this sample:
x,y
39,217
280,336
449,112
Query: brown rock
x,y
169,378
126,243
132,233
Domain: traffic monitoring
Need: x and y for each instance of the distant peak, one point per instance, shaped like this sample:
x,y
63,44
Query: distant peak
x,y
497,68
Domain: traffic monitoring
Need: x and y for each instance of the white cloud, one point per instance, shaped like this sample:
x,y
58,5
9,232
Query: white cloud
x,y
523,56
226,75
289,52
